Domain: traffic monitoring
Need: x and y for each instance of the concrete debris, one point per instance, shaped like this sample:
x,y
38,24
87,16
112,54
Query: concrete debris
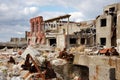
x,y
11,60
30,50
39,63
78,49
2,75
59,49
108,51
58,62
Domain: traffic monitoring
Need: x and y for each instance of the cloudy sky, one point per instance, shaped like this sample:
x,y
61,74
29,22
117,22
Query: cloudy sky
x,y
15,14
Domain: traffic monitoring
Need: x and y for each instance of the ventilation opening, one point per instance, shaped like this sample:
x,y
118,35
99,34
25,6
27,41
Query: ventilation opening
x,y
52,42
73,40
103,41
82,41
112,74
103,22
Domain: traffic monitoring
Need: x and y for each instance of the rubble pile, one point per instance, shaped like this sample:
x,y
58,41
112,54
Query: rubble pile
x,y
35,62
42,62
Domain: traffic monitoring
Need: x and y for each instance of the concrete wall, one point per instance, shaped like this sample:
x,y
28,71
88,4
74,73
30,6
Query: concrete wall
x,y
100,67
73,28
69,29
116,5
118,69
104,32
118,31
61,41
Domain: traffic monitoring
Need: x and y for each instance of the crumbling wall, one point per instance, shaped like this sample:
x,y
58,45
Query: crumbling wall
x,y
61,41
118,31
104,31
79,72
36,35
100,67
118,69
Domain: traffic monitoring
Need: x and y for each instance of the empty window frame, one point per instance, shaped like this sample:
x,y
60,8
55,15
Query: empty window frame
x,y
103,41
73,40
103,22
112,9
52,41
82,41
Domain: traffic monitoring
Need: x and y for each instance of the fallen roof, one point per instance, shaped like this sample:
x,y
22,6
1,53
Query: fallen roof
x,y
57,18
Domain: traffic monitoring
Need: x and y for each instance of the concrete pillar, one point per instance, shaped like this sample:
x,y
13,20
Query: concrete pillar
x,y
61,43
68,26
118,69
118,31
97,72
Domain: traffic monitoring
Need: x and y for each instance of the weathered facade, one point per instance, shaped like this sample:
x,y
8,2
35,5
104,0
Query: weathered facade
x,y
107,34
36,35
99,67
55,32
61,32
118,27
107,26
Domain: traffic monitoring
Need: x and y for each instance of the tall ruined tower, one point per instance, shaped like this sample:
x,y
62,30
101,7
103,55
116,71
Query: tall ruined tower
x,y
36,35
107,26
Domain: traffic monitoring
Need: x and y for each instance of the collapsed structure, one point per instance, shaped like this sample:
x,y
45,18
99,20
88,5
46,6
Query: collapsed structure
x,y
61,32
103,31
61,49
107,26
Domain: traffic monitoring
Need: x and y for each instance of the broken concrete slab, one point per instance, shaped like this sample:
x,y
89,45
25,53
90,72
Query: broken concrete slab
x,y
30,50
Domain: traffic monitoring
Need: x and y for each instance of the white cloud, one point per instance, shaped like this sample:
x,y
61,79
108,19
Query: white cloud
x,y
15,14
38,2
30,10
20,33
3,7
47,15
77,16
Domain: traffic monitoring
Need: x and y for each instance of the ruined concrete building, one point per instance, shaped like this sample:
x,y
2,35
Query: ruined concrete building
x,y
107,26
107,34
104,30
61,32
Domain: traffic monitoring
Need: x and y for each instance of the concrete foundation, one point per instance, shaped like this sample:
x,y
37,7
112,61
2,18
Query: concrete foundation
x,y
100,67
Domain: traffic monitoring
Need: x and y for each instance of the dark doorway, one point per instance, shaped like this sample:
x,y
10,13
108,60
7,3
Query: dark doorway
x,y
103,41
81,71
52,42
82,41
73,40
112,74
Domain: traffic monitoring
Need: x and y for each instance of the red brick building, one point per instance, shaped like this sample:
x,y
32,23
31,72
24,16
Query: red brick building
x,y
36,35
